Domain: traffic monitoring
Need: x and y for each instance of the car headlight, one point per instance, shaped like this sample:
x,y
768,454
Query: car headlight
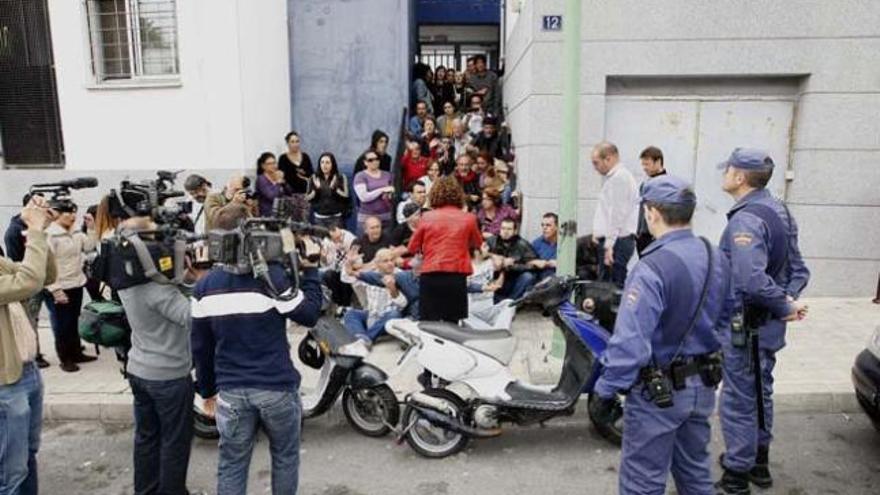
x,y
874,343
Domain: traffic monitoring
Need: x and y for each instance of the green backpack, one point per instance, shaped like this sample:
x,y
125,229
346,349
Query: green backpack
x,y
104,323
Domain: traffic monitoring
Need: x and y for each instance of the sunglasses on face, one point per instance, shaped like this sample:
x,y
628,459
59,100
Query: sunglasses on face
x,y
372,159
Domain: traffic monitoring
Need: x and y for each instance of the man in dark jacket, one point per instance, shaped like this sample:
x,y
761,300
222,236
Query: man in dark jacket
x,y
515,257
243,365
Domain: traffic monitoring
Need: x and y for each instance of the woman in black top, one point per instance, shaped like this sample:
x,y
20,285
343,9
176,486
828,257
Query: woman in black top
x,y
298,171
378,145
330,196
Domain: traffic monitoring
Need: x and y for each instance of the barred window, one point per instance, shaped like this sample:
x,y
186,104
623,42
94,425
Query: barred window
x,y
133,39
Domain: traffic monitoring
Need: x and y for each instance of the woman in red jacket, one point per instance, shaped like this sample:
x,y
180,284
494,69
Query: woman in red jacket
x,y
445,237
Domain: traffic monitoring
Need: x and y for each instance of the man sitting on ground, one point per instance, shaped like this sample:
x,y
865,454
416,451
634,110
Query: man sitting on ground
x,y
418,195
383,302
515,256
373,239
545,246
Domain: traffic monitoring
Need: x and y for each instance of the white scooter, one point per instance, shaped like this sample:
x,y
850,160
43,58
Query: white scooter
x,y
437,422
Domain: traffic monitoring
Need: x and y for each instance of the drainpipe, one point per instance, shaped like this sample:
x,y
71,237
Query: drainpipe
x,y
571,73
568,169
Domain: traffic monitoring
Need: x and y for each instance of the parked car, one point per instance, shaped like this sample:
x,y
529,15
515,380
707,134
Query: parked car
x,y
866,378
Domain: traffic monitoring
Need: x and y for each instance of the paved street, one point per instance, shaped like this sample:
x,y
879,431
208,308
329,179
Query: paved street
x,y
815,454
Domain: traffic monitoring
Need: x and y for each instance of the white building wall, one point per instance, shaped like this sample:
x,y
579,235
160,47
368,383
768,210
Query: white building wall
x,y
834,47
231,101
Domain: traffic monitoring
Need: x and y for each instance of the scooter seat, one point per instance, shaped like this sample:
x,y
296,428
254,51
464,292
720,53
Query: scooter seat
x,y
461,334
498,344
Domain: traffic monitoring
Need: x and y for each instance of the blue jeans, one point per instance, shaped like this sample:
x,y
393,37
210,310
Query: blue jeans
x,y
624,247
163,431
239,414
515,285
21,420
355,320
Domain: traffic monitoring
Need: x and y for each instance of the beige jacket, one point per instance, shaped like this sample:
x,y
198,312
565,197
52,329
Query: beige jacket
x,y
18,282
69,248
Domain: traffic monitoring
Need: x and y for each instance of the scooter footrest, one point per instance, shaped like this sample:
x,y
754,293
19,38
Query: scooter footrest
x,y
527,397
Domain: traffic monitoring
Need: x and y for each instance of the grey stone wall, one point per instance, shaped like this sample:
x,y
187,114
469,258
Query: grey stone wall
x,y
835,147
349,72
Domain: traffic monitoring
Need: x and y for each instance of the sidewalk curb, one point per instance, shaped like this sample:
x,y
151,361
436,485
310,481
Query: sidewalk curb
x,y
118,408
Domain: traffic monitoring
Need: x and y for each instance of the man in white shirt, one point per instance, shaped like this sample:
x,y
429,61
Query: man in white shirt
x,y
616,217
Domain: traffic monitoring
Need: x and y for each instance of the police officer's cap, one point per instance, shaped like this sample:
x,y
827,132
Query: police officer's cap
x,y
748,159
668,189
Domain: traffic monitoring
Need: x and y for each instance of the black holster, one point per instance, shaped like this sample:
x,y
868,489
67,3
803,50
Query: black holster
x,y
708,366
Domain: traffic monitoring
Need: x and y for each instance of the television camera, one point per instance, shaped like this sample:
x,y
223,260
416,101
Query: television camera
x,y
59,192
257,242
155,250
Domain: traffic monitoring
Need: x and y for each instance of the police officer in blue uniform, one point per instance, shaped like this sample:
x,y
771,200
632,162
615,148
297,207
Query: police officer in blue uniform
x,y
761,240
665,349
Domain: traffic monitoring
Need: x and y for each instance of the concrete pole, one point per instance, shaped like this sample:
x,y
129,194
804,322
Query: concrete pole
x,y
571,74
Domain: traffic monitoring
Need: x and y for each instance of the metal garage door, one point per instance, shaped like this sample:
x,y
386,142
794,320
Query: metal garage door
x,y
698,131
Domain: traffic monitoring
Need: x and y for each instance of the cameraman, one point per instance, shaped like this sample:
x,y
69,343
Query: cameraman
x,y
240,348
21,388
235,193
158,369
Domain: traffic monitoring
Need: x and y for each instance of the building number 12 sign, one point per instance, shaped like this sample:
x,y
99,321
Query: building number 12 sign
x,y
552,23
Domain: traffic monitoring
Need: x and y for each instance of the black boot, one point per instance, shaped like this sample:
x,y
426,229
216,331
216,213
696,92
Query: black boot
x,y
760,474
733,483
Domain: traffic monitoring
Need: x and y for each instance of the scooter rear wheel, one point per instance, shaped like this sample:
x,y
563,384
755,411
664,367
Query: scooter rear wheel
x,y
611,431
371,411
435,441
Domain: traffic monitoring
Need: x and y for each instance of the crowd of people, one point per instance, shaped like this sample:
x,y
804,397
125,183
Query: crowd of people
x,y
436,238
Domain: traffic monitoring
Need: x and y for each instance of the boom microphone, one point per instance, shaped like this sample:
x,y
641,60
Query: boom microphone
x,y
80,183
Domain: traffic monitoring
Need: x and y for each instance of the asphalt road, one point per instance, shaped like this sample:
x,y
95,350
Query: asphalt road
x,y
814,454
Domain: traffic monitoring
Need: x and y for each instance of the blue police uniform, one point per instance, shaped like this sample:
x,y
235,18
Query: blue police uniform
x,y
660,300
761,240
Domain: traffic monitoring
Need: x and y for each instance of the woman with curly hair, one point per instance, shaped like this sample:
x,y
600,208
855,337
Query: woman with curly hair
x,y
445,238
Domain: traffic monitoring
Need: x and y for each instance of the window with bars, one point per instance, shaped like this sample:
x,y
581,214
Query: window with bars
x,y
133,39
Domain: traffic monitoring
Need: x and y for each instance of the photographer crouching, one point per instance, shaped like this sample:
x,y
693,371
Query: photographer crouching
x,y
21,388
240,347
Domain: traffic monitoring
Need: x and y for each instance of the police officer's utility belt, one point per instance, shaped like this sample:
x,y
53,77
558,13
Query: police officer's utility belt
x,y
707,366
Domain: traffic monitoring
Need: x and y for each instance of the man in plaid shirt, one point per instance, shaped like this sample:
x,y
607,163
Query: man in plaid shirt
x,y
383,302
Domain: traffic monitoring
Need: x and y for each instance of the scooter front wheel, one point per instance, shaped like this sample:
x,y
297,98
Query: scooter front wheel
x,y
433,440
371,411
612,430
204,426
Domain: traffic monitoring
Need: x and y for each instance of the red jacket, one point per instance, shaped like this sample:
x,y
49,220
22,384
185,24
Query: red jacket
x,y
445,238
413,169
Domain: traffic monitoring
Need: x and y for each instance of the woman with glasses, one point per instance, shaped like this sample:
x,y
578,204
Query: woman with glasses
x,y
271,184
374,189
379,144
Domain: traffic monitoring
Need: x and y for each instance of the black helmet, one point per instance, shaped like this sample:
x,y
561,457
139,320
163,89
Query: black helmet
x,y
310,353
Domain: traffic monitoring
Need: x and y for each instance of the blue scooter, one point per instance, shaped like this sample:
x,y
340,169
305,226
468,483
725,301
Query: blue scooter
x,y
438,422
